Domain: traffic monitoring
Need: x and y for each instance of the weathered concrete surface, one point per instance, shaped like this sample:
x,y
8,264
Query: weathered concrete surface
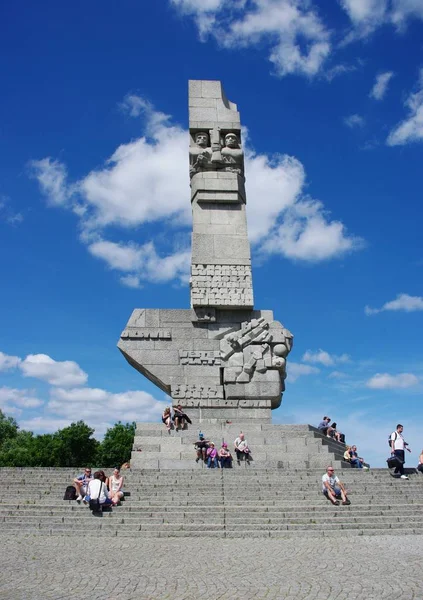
x,y
141,569
222,355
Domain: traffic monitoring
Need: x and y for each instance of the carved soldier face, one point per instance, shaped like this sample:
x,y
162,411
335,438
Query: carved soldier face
x,y
231,140
202,139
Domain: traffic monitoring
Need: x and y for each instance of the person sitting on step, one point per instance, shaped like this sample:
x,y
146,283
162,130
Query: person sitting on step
x,y
97,489
357,461
337,435
323,426
212,457
225,457
201,446
104,479
347,455
81,483
241,448
116,486
333,488
180,418
167,418
420,465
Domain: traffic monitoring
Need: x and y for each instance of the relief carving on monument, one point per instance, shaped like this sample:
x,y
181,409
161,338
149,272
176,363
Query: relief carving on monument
x,y
257,347
214,152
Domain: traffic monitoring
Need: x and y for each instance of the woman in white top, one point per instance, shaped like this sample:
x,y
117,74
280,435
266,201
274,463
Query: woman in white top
x,y
115,485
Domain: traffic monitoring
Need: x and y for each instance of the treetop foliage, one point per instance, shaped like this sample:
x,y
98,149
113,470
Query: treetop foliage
x,y
72,446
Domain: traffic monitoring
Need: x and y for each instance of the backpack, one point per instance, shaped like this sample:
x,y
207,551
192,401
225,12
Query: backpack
x,y
389,438
70,493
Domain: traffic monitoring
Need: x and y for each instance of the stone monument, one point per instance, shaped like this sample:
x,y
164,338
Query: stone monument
x,y
221,359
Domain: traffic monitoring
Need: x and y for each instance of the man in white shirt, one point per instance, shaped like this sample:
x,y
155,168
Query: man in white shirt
x,y
333,488
241,448
98,490
398,446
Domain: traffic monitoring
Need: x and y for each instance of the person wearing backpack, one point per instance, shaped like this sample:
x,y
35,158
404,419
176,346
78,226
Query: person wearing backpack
x,y
398,447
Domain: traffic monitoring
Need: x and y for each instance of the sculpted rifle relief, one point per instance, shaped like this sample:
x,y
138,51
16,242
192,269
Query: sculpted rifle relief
x,y
216,155
254,349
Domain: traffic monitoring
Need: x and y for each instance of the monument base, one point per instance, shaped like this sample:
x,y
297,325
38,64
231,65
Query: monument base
x,y
272,446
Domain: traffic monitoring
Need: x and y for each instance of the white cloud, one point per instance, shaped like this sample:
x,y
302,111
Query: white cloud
x,y
354,121
337,70
296,370
324,358
142,262
283,179
7,214
297,38
44,424
337,375
411,129
146,181
366,15
8,362
52,177
404,10
63,373
13,400
402,302
380,86
306,234
140,183
384,381
93,405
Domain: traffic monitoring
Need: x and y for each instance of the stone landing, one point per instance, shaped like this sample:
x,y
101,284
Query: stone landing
x,y
272,446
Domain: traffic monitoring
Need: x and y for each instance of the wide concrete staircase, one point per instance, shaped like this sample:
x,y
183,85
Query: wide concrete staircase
x,y
273,446
223,503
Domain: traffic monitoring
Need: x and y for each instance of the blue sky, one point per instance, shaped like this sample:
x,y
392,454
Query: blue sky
x,y
95,210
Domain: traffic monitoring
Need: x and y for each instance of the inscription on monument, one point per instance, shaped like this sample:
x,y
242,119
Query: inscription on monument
x,y
221,285
189,357
146,334
180,390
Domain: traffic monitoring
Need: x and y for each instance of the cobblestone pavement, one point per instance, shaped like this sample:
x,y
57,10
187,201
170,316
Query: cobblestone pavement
x,y
354,568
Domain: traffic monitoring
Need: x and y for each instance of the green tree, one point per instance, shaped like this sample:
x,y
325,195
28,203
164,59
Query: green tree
x,y
75,447
8,428
115,449
17,451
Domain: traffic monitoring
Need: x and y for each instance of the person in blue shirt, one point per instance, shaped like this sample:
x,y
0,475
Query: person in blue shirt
x,y
81,483
323,426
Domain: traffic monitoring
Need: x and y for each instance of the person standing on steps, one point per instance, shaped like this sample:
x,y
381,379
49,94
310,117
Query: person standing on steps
x,y
398,447
241,449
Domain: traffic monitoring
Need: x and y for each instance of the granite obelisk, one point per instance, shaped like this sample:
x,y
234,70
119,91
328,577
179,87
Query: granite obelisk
x,y
221,358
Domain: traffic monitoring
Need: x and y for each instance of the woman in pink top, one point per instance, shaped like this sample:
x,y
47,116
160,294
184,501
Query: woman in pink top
x,y
225,457
212,456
